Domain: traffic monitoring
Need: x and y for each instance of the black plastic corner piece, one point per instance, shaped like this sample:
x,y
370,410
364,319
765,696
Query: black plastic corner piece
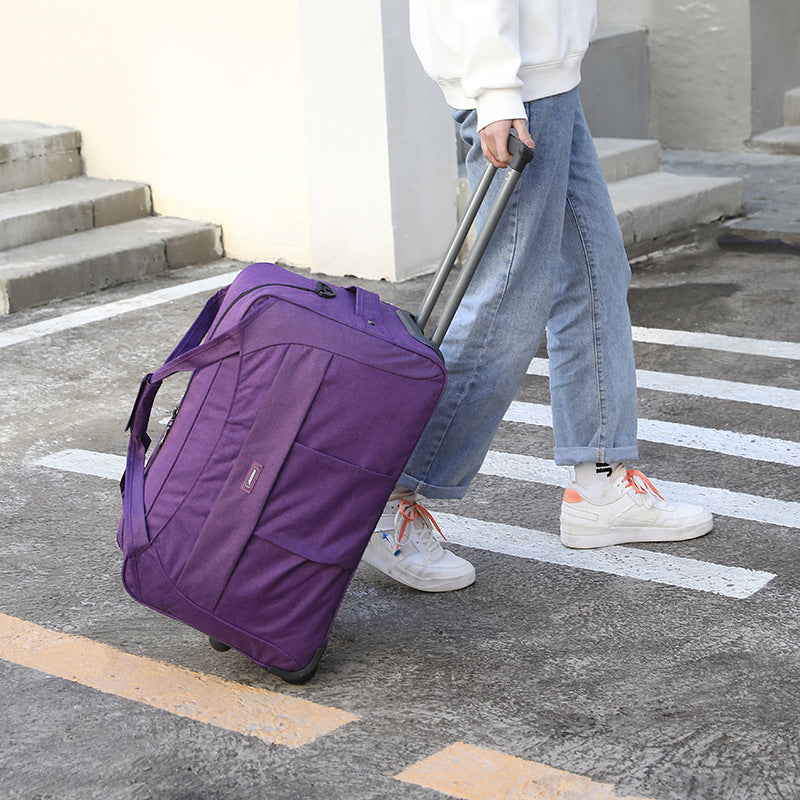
x,y
521,154
410,321
302,675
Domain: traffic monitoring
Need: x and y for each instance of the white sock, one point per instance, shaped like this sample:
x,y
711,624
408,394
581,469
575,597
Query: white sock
x,y
593,477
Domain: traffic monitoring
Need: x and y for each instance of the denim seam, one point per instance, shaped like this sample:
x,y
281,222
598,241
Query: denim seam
x,y
511,213
594,316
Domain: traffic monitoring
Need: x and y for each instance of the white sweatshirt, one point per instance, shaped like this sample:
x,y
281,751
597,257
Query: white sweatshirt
x,y
494,55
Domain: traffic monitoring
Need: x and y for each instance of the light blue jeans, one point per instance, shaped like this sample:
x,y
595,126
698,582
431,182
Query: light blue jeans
x,y
556,263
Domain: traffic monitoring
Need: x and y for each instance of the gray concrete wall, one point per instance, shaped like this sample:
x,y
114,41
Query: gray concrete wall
x,y
718,68
615,86
700,68
775,33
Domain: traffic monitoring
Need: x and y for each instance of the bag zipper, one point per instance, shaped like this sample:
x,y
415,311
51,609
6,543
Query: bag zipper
x,y
322,289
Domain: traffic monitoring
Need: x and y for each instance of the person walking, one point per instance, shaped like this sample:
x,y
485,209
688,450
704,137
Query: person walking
x,y
556,265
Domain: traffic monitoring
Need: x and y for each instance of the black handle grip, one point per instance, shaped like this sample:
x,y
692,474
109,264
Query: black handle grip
x,y
521,154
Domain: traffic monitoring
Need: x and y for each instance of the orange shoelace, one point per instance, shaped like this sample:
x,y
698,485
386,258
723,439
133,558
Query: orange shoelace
x,y
632,479
410,512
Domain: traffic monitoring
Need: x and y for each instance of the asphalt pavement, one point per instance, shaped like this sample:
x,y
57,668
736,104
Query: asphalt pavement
x,y
656,671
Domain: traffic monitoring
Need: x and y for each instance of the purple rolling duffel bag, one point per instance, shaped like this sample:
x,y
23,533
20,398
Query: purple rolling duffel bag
x,y
304,404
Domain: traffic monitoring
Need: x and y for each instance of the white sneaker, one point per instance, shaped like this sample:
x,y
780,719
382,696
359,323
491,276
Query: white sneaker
x,y
627,509
405,548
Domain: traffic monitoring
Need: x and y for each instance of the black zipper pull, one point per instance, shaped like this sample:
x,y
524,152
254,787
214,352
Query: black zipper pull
x,y
323,290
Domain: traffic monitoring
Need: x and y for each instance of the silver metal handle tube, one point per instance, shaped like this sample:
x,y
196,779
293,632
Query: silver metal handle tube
x,y
474,257
456,243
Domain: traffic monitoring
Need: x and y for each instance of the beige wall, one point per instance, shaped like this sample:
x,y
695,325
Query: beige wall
x,y
312,135
200,98
700,68
306,132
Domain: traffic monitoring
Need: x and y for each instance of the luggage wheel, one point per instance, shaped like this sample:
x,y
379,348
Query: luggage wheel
x,y
300,676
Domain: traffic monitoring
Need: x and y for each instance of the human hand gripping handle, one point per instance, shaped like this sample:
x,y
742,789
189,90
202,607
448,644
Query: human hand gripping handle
x,y
494,140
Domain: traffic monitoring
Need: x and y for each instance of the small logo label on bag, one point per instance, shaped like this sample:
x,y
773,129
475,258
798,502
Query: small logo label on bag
x,y
252,476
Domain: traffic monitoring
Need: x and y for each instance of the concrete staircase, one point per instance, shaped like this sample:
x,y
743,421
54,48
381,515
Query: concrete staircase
x,y
63,234
786,139
654,206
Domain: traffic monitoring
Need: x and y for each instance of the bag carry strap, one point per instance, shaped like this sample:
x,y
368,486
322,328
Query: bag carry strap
x,y
521,155
187,356
148,388
241,501
201,326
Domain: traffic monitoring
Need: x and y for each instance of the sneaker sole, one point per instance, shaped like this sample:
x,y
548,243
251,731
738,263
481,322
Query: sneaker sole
x,y
420,584
588,539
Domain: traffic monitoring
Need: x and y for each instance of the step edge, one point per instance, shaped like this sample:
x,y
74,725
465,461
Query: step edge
x,y
15,260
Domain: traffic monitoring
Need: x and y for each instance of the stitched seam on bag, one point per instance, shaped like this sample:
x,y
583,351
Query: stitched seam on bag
x,y
156,452
340,460
214,616
183,445
431,356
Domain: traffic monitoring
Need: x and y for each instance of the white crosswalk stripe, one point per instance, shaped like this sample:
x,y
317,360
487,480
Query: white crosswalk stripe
x,y
772,396
639,563
716,341
719,501
103,311
628,562
515,467
524,542
741,445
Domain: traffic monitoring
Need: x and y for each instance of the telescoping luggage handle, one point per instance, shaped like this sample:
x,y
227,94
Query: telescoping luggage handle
x,y
521,155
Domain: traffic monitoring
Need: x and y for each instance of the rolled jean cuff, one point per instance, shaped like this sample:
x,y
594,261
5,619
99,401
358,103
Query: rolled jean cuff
x,y
431,491
570,456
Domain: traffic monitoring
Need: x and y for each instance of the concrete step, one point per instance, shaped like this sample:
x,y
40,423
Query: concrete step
x,y
32,153
781,141
791,107
619,158
102,257
58,209
651,204
771,191
655,206
762,233
627,158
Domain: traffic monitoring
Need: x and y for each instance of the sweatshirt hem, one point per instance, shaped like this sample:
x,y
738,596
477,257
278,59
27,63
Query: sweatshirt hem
x,y
544,80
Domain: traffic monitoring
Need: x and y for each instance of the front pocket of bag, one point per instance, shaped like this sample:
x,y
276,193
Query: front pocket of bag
x,y
323,508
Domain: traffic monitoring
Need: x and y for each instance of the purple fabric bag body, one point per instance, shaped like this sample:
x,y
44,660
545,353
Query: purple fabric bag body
x,y
249,519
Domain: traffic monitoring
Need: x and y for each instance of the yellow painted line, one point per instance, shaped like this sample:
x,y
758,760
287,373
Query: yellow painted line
x,y
267,715
474,773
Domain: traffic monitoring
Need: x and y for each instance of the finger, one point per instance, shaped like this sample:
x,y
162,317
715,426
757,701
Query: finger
x,y
501,149
494,142
488,152
521,129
